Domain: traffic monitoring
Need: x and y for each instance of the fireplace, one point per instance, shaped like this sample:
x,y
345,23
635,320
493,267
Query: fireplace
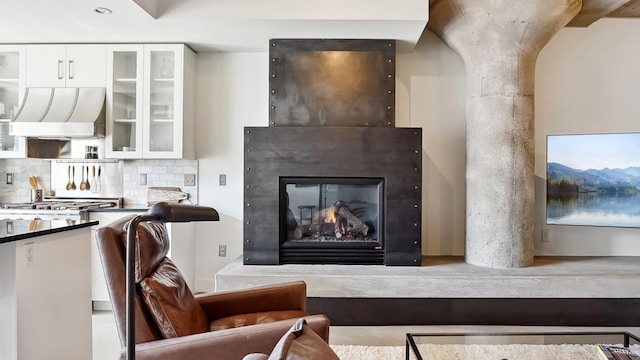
x,y
331,220
388,160
332,180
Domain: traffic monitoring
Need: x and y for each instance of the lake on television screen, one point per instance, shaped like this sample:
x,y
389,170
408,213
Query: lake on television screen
x,y
593,180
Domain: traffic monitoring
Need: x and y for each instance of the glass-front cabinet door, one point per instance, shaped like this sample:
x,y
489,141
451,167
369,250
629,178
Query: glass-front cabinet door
x,y
12,87
145,101
125,99
163,110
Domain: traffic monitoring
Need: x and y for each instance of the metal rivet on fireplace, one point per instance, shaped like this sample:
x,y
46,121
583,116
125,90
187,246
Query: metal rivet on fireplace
x,y
273,123
246,259
388,122
248,150
248,186
415,224
416,151
248,169
388,107
273,60
415,242
248,241
416,187
273,107
415,206
389,76
390,61
415,260
416,169
415,132
389,45
390,92
273,91
248,131
248,204
248,222
273,75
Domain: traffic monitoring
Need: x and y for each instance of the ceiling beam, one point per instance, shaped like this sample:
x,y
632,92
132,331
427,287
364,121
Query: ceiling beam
x,y
594,10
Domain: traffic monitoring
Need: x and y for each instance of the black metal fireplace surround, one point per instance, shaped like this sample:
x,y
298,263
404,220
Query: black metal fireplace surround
x,y
332,180
387,158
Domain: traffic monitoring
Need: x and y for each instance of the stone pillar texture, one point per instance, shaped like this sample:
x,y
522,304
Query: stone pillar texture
x,y
499,41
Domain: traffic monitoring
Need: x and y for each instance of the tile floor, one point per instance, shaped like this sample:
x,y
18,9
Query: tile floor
x,y
106,345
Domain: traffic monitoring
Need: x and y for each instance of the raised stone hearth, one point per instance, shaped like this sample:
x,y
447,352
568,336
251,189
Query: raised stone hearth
x,y
590,291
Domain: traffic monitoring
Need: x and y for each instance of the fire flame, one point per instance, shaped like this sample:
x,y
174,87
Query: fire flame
x,y
331,216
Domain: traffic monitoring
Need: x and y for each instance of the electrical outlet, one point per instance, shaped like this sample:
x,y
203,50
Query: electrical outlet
x,y
545,235
223,180
9,178
189,179
143,179
30,254
222,250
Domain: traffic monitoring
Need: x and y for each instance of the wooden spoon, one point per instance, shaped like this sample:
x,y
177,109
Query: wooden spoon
x,y
69,177
73,178
33,182
83,185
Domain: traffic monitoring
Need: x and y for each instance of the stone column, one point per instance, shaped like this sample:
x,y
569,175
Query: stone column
x,y
499,41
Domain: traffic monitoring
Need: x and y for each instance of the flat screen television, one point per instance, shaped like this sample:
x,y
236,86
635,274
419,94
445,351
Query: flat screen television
x,y
593,180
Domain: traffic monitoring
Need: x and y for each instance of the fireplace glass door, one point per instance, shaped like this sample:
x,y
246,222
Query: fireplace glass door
x,y
332,214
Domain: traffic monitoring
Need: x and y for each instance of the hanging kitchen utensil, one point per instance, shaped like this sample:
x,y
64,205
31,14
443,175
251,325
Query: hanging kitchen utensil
x,y
94,185
69,177
83,185
99,185
86,183
73,177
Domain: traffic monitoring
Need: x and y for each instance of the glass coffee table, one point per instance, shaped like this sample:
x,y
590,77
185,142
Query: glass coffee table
x,y
513,346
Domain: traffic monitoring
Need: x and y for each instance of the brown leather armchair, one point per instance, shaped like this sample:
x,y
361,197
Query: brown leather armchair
x,y
172,323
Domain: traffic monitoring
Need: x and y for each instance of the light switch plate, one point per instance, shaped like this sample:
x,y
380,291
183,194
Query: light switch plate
x,y
223,180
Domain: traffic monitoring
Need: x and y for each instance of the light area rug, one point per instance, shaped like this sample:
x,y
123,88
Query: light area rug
x,y
470,352
357,352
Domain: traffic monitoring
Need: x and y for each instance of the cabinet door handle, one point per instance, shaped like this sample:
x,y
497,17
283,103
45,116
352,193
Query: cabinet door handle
x,y
60,69
71,68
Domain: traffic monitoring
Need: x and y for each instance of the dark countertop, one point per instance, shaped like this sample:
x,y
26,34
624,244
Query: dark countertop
x,y
127,208
12,230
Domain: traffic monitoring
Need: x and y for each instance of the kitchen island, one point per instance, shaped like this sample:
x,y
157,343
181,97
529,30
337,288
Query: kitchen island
x,y
45,289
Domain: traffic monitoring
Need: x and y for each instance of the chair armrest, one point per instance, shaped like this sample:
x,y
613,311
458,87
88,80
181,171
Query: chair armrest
x,y
285,296
227,344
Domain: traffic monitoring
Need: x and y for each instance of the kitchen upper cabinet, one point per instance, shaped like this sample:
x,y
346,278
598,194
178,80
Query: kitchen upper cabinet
x,y
150,101
73,65
12,86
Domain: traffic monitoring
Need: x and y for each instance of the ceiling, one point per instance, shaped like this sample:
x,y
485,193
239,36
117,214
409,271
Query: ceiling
x,y
237,25
212,25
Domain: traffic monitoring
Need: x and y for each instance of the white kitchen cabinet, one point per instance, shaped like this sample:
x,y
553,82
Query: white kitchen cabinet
x,y
12,86
150,101
45,297
72,65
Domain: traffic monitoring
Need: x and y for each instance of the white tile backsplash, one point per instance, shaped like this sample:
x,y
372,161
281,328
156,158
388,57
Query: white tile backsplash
x,y
20,190
160,173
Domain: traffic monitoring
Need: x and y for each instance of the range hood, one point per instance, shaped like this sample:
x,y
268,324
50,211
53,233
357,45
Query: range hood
x,y
61,113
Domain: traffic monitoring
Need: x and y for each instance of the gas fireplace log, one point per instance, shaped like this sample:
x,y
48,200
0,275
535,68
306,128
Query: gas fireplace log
x,y
358,225
303,231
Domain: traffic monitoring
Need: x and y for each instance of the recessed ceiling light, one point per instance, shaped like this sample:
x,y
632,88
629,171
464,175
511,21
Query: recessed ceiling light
x,y
101,10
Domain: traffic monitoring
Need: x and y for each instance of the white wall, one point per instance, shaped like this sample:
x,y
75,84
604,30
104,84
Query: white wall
x,y
232,93
587,81
578,90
